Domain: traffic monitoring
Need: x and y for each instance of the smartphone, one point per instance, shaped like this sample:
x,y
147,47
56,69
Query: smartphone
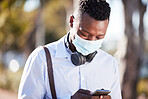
x,y
100,92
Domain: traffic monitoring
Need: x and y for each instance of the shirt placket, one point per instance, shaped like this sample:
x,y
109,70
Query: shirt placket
x,y
82,81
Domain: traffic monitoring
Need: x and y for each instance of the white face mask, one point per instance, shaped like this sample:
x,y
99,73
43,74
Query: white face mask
x,y
86,47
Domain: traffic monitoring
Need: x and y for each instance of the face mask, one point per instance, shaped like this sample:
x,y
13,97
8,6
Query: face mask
x,y
86,47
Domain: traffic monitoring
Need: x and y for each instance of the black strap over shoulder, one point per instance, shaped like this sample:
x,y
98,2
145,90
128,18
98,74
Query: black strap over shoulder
x,y
50,73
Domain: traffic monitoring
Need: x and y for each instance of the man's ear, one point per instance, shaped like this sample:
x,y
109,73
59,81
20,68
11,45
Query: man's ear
x,y
71,21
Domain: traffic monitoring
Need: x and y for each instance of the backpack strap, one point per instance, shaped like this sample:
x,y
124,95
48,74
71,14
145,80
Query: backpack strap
x,y
50,73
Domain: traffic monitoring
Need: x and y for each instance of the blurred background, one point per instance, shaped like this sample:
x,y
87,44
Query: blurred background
x,y
27,24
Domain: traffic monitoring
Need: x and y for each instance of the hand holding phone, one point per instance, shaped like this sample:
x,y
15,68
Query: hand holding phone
x,y
100,92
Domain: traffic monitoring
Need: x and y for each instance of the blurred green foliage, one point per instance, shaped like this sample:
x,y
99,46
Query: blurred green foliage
x,y
16,26
142,87
10,80
54,16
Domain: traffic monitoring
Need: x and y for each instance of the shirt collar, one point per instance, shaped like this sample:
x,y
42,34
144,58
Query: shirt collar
x,y
61,51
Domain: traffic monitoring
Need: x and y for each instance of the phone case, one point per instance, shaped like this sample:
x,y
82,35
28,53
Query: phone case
x,y
100,92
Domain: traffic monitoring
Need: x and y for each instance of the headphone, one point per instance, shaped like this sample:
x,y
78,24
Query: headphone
x,y
76,57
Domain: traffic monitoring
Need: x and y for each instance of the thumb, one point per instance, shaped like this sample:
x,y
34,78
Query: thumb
x,y
87,92
101,97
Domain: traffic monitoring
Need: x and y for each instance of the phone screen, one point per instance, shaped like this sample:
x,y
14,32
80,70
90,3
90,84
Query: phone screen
x,y
100,92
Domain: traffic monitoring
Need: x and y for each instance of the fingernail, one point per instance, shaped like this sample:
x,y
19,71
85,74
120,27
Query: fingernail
x,y
101,97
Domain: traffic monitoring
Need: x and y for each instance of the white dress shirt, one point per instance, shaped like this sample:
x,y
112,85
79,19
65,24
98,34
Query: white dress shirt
x,y
101,72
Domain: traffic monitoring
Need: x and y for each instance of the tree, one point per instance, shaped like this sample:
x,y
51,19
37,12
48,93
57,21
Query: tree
x,y
36,35
11,29
23,31
135,48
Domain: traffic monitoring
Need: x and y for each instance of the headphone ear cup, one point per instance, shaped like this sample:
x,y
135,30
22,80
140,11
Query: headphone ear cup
x,y
90,57
77,59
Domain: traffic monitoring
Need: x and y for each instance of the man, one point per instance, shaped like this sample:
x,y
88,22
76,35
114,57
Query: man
x,y
79,66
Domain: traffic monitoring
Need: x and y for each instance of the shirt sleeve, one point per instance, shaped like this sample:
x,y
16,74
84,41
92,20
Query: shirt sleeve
x,y
116,90
32,81
67,97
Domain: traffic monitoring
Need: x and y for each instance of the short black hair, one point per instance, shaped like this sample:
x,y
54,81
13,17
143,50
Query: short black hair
x,y
97,9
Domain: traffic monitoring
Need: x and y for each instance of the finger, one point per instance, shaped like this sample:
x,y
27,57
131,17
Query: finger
x,y
80,96
86,96
105,97
87,92
101,97
95,97
83,96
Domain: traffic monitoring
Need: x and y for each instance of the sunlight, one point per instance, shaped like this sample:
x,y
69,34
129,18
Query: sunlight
x,y
14,65
31,5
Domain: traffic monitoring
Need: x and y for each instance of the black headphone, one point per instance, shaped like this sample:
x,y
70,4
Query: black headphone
x,y
76,57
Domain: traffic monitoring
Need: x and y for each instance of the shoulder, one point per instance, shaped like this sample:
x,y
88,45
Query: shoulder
x,y
106,59
105,55
52,47
55,46
39,51
35,60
